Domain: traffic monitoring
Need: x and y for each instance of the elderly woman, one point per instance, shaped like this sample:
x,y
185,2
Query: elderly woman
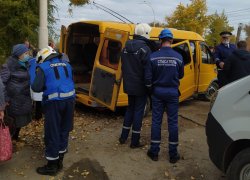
x,y
16,78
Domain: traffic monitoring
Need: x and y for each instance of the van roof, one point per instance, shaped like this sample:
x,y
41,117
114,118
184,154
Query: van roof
x,y
178,34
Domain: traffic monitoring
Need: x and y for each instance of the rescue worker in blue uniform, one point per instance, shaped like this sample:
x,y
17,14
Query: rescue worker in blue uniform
x,y
135,57
162,75
220,55
55,78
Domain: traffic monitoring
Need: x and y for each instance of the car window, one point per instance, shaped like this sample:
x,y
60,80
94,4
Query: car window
x,y
111,53
184,50
206,55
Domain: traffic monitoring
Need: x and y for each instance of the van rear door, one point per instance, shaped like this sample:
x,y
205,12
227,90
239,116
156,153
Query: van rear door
x,y
187,83
62,38
106,76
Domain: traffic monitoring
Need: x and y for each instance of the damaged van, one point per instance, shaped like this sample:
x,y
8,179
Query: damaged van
x,y
94,49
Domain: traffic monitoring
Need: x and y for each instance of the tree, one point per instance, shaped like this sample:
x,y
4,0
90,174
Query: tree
x,y
247,29
19,21
217,24
190,17
157,24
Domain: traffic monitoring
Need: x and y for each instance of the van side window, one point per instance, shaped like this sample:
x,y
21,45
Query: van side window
x,y
183,50
206,55
111,53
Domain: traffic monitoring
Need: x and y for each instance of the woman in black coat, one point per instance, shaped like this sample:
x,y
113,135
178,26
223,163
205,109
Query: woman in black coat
x,y
16,78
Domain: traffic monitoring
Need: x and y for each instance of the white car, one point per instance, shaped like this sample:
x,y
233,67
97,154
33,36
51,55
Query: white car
x,y
228,129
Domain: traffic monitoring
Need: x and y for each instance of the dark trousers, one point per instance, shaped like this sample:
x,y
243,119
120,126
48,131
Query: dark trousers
x,y
222,78
39,110
58,119
134,115
164,98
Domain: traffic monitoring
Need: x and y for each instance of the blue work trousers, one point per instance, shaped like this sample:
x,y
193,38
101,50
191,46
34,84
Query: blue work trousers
x,y
134,115
165,98
57,123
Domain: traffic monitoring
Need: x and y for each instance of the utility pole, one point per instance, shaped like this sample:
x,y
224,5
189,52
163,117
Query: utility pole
x,y
145,2
238,33
43,29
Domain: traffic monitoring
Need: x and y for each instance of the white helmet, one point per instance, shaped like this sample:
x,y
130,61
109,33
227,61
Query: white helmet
x,y
143,29
44,53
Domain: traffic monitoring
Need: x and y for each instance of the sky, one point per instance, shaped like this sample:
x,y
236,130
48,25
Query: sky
x,y
137,12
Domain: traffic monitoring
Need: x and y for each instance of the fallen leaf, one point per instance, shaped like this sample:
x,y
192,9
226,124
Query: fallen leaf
x,y
166,174
21,173
71,176
105,171
192,177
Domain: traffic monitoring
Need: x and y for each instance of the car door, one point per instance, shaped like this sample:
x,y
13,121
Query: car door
x,y
106,76
207,68
187,83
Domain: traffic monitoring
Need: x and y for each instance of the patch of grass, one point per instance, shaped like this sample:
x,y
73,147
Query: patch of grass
x,y
3,59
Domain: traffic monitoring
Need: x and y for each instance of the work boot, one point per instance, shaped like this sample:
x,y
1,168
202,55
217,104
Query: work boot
x,y
152,156
60,161
121,141
50,169
175,159
140,144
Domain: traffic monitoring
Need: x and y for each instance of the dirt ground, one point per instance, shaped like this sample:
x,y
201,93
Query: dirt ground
x,y
95,154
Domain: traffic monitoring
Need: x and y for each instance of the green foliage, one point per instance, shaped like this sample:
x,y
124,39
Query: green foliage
x,y
19,21
190,17
218,23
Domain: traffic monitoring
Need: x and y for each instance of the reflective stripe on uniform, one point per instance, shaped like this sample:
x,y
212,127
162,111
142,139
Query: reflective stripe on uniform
x,y
173,143
50,158
52,95
67,94
138,132
143,50
126,127
158,58
149,85
63,151
152,141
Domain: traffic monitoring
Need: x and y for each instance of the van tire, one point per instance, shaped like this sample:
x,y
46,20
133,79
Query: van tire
x,y
147,107
240,165
211,90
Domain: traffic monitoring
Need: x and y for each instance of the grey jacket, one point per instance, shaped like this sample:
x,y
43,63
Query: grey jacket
x,y
16,79
2,102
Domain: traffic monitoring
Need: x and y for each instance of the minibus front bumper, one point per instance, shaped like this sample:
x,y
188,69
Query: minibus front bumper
x,y
218,141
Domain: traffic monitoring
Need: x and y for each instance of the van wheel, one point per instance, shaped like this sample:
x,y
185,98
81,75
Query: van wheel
x,y
211,90
147,107
240,167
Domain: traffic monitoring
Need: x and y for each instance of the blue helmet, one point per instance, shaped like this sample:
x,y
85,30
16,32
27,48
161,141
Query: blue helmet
x,y
166,33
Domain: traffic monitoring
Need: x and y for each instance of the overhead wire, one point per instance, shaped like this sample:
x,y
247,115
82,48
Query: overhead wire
x,y
112,11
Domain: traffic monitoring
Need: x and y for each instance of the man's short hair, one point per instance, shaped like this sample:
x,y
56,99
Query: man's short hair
x,y
242,45
166,39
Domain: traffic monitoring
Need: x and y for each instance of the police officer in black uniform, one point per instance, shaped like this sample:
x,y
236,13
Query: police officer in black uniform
x,y
55,78
220,55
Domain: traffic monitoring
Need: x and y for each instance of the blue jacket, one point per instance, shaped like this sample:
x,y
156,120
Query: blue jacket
x,y
32,69
222,52
135,56
55,78
164,69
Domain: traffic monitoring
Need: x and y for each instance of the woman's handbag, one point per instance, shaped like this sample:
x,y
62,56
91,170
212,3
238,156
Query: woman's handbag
x,y
5,142
10,122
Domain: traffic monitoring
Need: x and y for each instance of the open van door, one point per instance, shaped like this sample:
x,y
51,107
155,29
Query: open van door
x,y
106,76
207,73
62,38
187,83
